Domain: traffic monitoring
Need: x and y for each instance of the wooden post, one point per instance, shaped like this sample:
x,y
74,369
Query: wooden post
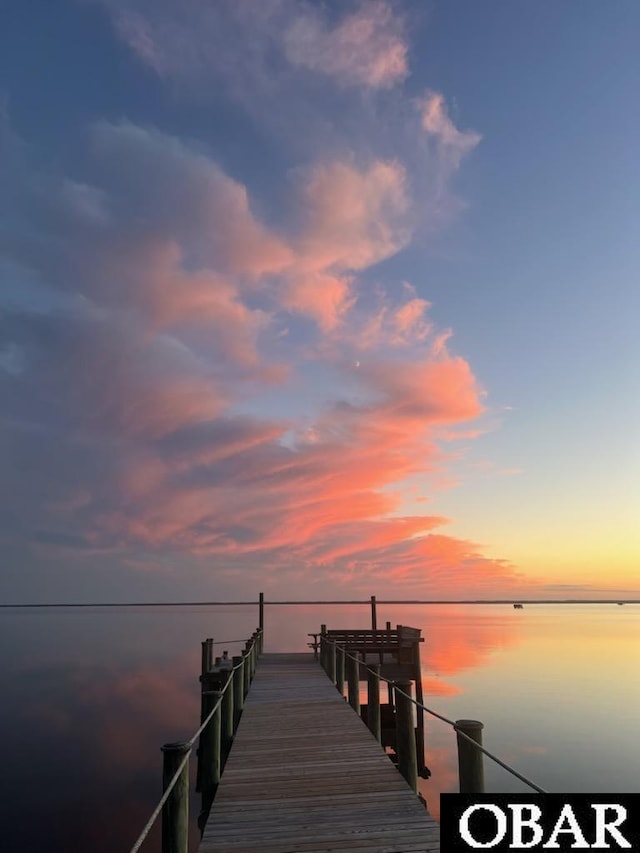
x,y
254,653
373,701
261,611
405,734
389,685
246,669
331,661
374,615
210,747
238,687
353,681
210,653
340,669
323,647
248,650
175,812
420,727
227,718
205,666
470,759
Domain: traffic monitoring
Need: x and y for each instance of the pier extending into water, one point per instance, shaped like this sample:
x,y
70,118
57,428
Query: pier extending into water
x,y
303,773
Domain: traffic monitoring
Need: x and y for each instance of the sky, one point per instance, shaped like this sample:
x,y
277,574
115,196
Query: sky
x,y
321,299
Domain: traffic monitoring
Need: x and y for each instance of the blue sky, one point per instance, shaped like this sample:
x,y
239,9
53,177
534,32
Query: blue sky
x,y
338,294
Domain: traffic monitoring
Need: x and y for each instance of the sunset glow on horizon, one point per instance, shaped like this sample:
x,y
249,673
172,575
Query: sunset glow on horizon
x,y
320,299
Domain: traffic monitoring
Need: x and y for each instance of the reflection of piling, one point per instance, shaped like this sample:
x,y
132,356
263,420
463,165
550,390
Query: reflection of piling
x,y
470,761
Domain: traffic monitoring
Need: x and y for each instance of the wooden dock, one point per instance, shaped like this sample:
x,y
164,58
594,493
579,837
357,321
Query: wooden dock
x,y
305,774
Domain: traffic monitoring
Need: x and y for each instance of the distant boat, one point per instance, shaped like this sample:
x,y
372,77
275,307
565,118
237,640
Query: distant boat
x,y
518,606
620,603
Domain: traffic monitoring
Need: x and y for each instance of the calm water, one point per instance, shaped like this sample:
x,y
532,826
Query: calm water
x,y
89,696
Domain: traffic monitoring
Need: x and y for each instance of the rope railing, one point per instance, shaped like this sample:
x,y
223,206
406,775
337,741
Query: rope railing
x,y
459,732
204,725
239,686
154,815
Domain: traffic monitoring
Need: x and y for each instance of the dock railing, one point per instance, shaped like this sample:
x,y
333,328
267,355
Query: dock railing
x,y
220,714
337,662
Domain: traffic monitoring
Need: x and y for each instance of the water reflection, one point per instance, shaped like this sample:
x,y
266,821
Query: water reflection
x,y
90,696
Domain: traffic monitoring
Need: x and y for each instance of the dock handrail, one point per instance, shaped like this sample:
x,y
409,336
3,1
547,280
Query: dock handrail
x,y
459,732
254,647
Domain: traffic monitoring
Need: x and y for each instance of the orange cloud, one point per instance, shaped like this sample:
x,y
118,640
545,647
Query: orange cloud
x,y
238,490
427,392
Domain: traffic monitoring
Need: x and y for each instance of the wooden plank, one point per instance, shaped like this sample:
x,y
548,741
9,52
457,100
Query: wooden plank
x,y
305,775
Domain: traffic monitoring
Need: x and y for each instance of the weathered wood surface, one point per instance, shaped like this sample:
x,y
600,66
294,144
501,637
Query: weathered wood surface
x,y
305,774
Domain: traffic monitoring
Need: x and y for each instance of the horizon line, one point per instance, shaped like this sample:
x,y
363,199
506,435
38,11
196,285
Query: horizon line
x,y
328,601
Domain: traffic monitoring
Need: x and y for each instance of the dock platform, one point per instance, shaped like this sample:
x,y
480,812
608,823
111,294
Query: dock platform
x,y
305,775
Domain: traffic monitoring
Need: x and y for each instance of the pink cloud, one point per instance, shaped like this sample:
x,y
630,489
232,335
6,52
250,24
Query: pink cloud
x,y
186,324
427,392
186,247
181,194
455,144
408,321
398,323
321,296
324,504
354,216
351,218
365,48
136,32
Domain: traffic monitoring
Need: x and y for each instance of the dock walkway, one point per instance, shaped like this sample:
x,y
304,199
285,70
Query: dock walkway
x,y
305,775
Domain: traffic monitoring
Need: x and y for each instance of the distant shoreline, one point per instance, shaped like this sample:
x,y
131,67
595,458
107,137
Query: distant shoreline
x,y
508,601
